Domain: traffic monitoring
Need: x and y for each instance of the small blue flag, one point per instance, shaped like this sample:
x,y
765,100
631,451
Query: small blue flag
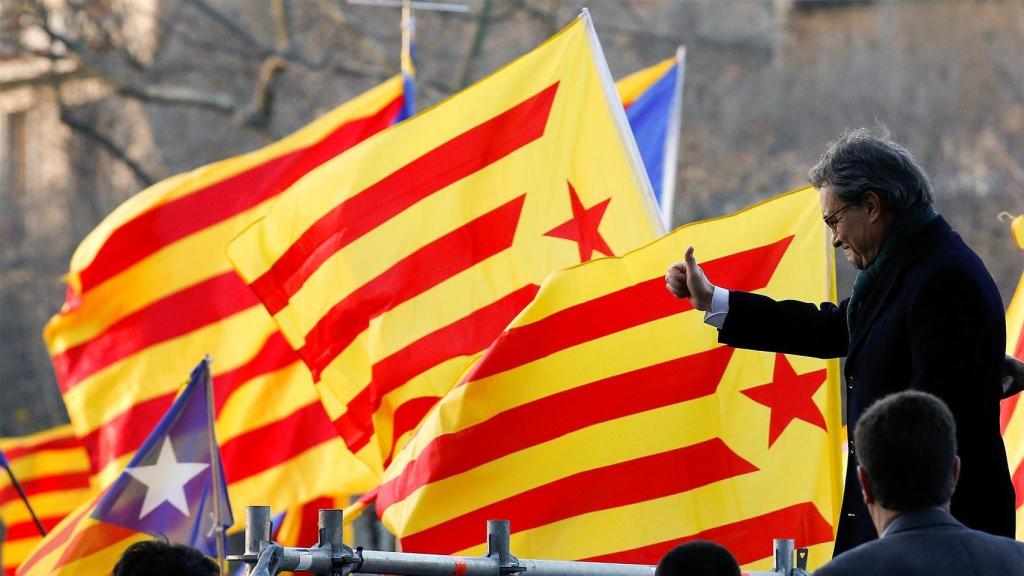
x,y
167,488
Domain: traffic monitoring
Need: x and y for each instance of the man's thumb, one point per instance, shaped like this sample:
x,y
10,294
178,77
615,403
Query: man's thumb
x,y
691,262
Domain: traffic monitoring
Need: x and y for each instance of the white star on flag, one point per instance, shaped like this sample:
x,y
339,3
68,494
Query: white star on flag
x,y
165,480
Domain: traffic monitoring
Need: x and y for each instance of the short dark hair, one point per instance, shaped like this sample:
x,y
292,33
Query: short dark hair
x,y
156,558
907,444
858,161
698,558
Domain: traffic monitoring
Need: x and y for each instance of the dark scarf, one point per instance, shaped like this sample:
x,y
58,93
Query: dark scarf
x,y
896,243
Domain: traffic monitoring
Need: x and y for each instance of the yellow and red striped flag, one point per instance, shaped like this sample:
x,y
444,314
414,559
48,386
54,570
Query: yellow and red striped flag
x,y
151,290
392,267
53,470
606,423
1011,417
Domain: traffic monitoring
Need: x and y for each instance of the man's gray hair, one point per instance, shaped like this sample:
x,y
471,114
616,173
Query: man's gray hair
x,y
858,161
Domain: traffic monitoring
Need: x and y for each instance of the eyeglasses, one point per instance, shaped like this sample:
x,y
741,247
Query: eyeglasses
x,y
832,220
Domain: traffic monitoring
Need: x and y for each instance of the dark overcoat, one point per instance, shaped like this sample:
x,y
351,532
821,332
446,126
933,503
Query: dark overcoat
x,y
930,543
933,321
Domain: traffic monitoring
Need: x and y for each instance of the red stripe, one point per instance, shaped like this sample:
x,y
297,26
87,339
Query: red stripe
x,y
92,539
678,380
10,570
1006,408
428,266
450,162
155,229
274,355
466,336
1018,484
749,540
57,539
309,532
277,442
44,484
180,313
632,306
28,529
621,484
407,417
59,443
125,432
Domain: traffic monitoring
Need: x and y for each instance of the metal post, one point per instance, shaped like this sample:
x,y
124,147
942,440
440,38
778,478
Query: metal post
x,y
257,530
782,549
331,556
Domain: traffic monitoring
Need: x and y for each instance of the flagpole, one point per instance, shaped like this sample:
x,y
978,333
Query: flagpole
x,y
671,161
215,463
24,497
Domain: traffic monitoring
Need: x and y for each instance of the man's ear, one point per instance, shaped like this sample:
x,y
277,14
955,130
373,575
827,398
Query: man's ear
x,y
865,484
873,204
956,470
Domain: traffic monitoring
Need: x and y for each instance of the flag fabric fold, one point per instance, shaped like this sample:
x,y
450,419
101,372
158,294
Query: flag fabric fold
x,y
168,490
1011,417
53,469
607,402
653,99
151,288
389,269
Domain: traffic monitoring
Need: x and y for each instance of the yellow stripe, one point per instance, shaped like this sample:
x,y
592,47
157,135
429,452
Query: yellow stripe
x,y
47,504
102,561
183,264
15,551
630,87
112,390
563,370
380,249
185,184
1015,317
50,463
624,439
265,399
663,519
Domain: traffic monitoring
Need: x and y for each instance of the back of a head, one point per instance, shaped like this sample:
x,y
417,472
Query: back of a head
x,y
907,444
156,558
698,558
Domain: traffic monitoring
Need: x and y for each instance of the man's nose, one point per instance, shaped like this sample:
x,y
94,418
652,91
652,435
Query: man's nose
x,y
835,239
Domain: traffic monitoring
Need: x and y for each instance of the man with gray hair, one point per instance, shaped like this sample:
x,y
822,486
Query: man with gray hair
x,y
924,314
908,468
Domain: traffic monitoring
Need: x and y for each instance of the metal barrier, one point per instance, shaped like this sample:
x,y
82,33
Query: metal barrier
x,y
332,557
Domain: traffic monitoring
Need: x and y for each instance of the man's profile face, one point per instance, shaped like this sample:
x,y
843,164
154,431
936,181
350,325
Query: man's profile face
x,y
853,228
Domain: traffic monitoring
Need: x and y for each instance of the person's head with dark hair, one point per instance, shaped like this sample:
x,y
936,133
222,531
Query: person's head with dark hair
x,y
868,185
698,558
157,558
906,448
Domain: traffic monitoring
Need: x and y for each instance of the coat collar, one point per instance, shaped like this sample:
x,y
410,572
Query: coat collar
x,y
923,518
888,278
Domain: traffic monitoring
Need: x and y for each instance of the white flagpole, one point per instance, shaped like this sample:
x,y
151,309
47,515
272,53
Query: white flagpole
x,y
643,182
671,160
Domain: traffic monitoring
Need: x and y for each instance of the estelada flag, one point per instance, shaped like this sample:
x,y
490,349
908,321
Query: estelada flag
x,y
391,267
608,403
171,489
653,99
53,470
151,289
1011,417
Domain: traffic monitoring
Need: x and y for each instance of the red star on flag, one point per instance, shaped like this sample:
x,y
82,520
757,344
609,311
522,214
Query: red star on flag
x,y
582,227
789,397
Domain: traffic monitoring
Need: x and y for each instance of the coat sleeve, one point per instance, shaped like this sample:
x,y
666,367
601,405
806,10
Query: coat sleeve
x,y
757,322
